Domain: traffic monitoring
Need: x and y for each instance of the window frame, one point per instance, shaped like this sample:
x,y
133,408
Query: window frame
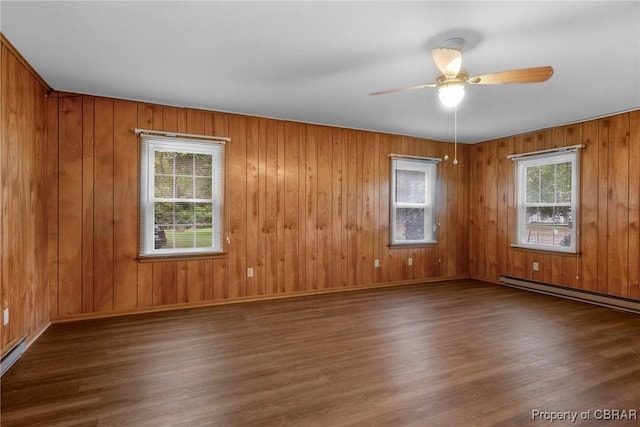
x,y
521,166
429,167
150,144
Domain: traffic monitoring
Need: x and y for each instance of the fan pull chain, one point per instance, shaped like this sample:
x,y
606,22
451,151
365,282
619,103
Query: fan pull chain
x,y
446,135
455,136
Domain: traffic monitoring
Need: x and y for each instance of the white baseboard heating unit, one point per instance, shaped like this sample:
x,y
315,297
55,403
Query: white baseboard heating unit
x,y
12,355
619,303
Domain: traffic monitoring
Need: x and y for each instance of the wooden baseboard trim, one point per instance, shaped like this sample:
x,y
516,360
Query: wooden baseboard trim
x,y
87,316
484,279
36,334
619,303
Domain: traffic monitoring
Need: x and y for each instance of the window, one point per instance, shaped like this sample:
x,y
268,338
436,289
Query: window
x,y
547,201
181,196
413,196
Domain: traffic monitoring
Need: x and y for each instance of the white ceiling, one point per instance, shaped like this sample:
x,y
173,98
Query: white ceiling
x,y
316,62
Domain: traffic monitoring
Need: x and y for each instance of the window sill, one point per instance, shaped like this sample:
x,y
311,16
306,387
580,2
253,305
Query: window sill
x,y
546,251
181,257
411,245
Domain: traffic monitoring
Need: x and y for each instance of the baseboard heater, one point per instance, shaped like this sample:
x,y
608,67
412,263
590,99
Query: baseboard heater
x,y
619,303
12,356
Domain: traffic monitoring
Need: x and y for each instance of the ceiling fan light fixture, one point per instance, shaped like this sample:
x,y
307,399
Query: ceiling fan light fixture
x,y
454,66
451,94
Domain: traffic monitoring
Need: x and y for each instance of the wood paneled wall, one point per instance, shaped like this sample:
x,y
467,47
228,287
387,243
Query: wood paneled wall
x,y
23,232
308,209
609,208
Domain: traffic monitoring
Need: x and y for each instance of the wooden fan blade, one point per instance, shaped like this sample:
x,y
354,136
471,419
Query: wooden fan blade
x,y
448,61
403,89
523,75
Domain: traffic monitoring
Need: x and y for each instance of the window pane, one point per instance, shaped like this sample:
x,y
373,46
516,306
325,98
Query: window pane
x,y
184,187
547,183
563,182
540,223
164,162
203,164
410,186
203,188
533,184
163,213
410,224
184,163
164,186
550,226
183,237
563,226
204,214
184,213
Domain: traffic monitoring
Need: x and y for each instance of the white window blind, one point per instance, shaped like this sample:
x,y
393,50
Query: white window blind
x,y
413,200
547,186
181,196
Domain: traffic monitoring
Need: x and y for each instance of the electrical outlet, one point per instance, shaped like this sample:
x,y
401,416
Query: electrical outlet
x,y
249,272
5,317
376,263
410,261
536,267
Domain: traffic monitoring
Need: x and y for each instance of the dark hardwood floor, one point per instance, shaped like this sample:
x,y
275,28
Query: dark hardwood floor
x,y
458,353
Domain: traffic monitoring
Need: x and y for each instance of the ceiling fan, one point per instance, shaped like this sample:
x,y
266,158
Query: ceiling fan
x,y
450,84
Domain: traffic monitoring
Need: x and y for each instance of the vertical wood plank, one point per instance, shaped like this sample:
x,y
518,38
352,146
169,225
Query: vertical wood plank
x,y
237,152
324,148
359,208
384,183
463,231
262,226
311,208
472,202
281,225
125,201
209,280
352,207
169,282
87,204
272,207
70,202
368,207
618,202
252,206
291,225
570,271
519,264
556,269
52,177
104,209
448,214
589,206
481,226
301,217
603,188
157,274
503,178
634,205
491,200
195,281
336,210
